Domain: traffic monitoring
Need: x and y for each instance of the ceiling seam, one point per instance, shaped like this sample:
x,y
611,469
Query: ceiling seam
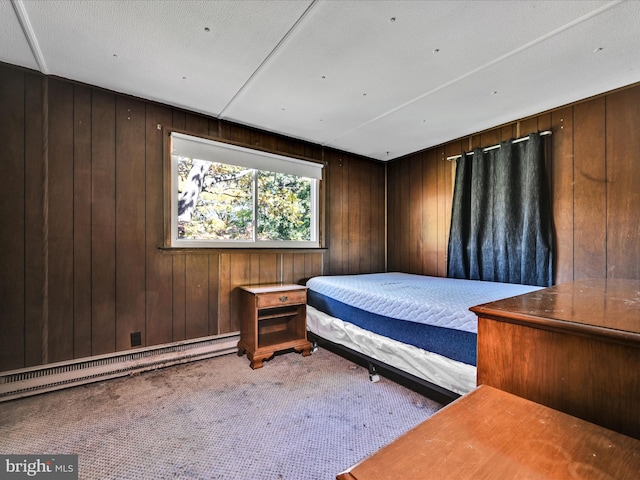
x,y
262,65
30,35
520,49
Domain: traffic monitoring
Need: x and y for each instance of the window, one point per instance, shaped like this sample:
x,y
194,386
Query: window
x,y
224,195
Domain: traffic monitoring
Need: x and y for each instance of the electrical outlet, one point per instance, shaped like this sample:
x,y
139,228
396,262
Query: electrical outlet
x,y
136,339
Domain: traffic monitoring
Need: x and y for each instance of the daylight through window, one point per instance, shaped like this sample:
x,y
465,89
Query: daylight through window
x,y
223,195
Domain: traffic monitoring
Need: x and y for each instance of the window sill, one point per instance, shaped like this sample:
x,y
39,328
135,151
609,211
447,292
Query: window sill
x,y
213,250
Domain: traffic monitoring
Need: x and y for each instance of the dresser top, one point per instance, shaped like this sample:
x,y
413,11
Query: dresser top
x,y
608,306
490,433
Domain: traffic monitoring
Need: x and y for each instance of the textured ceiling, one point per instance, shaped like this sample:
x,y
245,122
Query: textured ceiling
x,y
376,78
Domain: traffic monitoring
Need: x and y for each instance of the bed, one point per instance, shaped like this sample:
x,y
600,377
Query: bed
x,y
415,326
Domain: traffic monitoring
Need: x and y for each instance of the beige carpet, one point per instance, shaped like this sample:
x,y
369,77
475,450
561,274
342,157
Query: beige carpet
x,y
296,418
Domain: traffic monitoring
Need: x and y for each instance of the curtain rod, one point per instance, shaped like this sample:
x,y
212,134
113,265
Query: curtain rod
x,y
493,147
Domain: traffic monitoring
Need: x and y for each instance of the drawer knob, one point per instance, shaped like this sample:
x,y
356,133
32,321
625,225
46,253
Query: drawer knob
x,y
283,298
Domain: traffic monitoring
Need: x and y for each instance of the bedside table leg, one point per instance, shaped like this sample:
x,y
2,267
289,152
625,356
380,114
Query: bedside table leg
x,y
256,360
305,351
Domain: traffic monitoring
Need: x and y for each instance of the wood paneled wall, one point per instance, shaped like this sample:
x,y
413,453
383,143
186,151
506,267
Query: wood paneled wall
x,y
82,220
594,178
355,202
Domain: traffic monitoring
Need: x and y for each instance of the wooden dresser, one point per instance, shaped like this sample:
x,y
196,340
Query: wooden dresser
x,y
573,347
491,434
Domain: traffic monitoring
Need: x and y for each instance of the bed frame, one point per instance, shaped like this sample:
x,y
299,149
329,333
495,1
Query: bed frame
x,y
419,385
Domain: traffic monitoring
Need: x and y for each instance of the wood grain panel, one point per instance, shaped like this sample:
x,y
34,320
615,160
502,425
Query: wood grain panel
x,y
488,138
103,223
623,191
312,267
348,197
179,298
527,126
214,294
431,203
590,190
12,226
197,296
60,253
544,122
240,274
214,127
81,221
159,267
225,131
475,141
340,236
299,267
130,221
235,271
267,140
376,233
283,267
379,231
393,223
313,151
254,138
35,258
562,193
337,196
269,268
366,205
327,214
416,207
254,269
196,124
355,211
224,286
404,258
508,132
241,134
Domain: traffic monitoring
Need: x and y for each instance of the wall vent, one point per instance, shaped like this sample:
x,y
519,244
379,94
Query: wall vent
x,y
33,380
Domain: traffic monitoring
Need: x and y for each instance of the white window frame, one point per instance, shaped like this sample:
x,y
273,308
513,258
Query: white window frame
x,y
221,152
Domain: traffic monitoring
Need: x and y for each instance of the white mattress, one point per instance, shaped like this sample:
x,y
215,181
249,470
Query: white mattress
x,y
442,302
455,376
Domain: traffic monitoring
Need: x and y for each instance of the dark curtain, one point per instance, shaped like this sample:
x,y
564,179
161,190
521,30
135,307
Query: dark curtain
x,y
501,226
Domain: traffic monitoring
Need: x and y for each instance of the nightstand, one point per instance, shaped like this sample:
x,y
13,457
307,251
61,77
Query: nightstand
x,y
272,318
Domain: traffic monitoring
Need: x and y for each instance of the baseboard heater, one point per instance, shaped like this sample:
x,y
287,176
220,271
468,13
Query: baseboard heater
x,y
55,376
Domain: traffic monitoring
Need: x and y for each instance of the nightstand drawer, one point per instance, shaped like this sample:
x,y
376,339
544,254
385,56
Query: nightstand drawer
x,y
276,299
